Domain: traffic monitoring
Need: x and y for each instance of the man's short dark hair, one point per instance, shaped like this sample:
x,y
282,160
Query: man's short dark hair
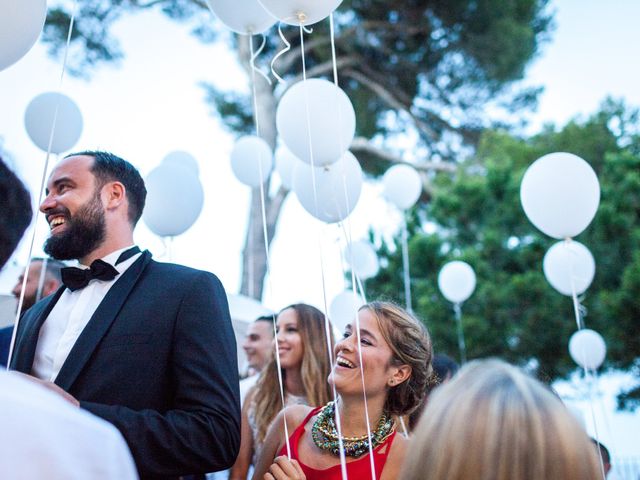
x,y
267,318
444,366
108,167
15,213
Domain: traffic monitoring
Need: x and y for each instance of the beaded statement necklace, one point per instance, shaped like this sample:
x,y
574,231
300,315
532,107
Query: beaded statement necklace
x,y
325,434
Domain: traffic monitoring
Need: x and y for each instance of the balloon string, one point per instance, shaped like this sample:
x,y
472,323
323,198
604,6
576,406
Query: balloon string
x,y
265,237
574,295
343,464
405,263
255,55
457,308
286,48
356,283
42,185
590,377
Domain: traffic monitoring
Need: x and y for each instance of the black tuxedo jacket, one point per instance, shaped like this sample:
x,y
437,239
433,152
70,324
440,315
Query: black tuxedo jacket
x,y
158,360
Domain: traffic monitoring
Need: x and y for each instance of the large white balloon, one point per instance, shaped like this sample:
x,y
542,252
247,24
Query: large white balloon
x,y
21,22
246,17
569,266
402,186
301,12
174,199
39,117
337,187
251,160
344,308
331,118
285,164
457,281
183,158
587,348
362,259
560,194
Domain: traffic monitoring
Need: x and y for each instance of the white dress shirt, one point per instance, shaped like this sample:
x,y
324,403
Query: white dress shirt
x,y
44,437
68,318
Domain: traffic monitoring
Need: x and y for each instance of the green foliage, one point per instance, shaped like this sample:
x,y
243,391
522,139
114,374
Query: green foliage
x,y
478,218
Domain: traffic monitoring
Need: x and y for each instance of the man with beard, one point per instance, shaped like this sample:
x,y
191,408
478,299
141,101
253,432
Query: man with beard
x,y
147,346
41,435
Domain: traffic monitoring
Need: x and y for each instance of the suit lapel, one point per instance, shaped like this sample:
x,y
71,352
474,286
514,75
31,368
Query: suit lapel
x,y
29,331
100,322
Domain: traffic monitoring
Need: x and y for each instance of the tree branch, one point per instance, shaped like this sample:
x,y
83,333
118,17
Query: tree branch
x,y
361,144
325,67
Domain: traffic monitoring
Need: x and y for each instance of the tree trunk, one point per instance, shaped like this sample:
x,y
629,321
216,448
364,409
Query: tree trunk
x,y
254,255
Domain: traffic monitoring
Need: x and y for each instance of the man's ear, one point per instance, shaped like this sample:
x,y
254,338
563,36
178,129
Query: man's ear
x,y
114,195
50,286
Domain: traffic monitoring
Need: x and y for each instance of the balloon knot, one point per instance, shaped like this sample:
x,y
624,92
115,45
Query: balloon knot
x,y
302,17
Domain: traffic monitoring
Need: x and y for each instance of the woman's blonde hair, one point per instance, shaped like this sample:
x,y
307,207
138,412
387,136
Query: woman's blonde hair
x,y
315,369
411,345
493,422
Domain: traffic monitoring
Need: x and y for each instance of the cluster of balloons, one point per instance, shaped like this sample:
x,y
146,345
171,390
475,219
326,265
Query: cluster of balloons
x,y
254,17
51,108
560,194
20,25
174,195
316,123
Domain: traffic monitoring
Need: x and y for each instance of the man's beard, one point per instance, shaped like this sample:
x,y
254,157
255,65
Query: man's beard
x,y
83,232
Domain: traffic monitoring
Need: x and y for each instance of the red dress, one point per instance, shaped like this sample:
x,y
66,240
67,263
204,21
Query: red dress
x,y
357,469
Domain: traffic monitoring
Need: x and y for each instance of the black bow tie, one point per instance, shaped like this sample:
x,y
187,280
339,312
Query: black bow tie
x,y
76,278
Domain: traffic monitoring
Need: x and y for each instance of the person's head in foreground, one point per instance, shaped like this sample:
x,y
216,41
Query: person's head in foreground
x,y
494,422
381,368
15,214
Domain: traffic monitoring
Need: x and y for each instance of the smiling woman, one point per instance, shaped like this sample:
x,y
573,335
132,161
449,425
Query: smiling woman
x,y
382,367
303,359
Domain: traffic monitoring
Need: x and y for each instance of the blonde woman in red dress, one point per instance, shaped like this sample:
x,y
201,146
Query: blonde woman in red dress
x,y
396,361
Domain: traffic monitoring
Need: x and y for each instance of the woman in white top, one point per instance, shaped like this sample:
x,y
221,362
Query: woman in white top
x,y
304,365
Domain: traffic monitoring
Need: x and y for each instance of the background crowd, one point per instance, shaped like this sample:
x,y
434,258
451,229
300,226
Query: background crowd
x,y
154,363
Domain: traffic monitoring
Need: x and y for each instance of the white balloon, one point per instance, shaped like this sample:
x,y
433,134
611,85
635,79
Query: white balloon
x,y
285,164
587,348
183,158
21,22
569,263
174,199
300,12
333,203
246,17
251,160
344,308
362,259
560,194
402,186
330,116
39,117
457,281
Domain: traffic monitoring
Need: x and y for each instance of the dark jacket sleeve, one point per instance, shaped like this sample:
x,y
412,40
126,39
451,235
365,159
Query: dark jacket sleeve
x,y
201,432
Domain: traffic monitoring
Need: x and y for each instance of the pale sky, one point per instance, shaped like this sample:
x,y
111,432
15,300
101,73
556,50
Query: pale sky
x,y
152,105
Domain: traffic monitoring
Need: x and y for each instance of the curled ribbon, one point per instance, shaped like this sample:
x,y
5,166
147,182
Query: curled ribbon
x,y
255,55
279,54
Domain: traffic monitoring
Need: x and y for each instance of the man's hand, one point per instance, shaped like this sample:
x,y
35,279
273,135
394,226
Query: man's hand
x,y
51,387
284,469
